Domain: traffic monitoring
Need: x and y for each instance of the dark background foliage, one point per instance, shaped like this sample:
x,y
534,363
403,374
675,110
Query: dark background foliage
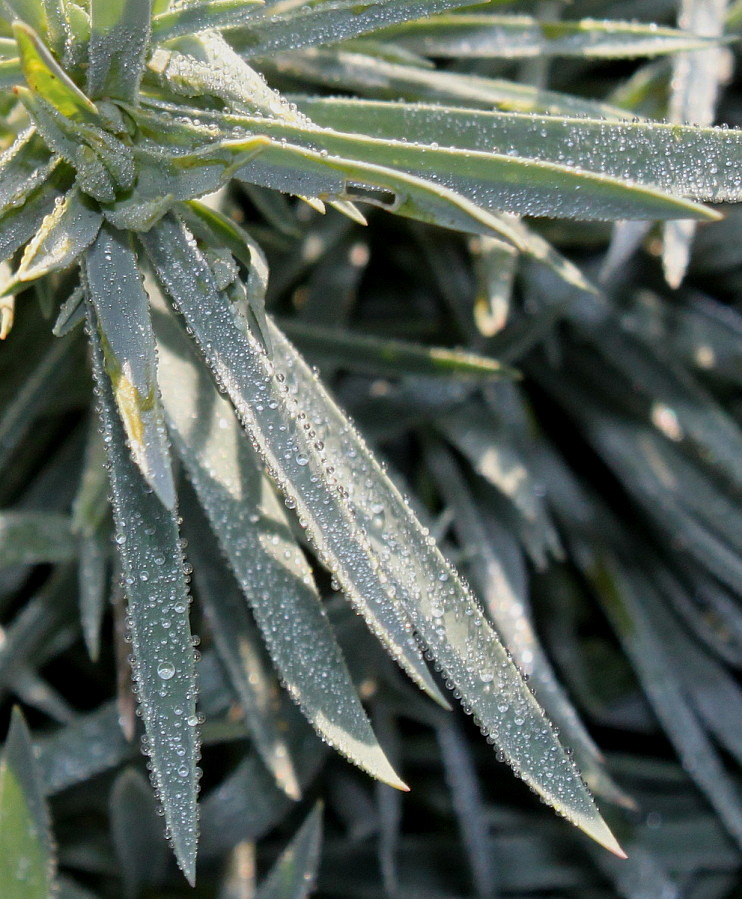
x,y
601,488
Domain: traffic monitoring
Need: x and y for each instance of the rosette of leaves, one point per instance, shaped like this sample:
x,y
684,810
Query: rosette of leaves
x,y
117,118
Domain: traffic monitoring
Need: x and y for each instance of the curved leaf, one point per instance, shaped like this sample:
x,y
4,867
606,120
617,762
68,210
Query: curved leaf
x,y
176,261
47,79
338,488
271,569
307,24
64,235
195,17
24,166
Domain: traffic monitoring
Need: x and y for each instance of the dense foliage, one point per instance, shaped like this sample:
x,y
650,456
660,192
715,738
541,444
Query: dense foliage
x,y
485,226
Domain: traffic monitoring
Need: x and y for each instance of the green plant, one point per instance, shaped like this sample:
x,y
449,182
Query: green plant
x,y
117,118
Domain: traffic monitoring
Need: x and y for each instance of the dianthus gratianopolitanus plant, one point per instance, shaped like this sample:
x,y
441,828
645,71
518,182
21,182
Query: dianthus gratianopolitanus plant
x,y
118,115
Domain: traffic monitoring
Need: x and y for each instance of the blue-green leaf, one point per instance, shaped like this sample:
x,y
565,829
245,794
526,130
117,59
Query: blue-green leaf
x,y
364,531
202,16
187,279
517,37
695,88
64,235
47,78
309,24
646,152
29,538
122,318
164,669
24,166
119,37
270,567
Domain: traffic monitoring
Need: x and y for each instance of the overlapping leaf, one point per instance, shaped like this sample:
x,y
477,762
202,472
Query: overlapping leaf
x,y
372,526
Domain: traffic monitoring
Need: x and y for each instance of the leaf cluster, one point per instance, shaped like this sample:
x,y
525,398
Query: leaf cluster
x,y
495,234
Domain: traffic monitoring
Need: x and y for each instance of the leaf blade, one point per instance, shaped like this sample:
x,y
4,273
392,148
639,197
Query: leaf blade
x,y
268,564
161,638
27,861
115,288
446,617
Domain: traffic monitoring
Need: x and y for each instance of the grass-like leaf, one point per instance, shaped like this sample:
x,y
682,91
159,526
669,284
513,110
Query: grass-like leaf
x,y
506,609
62,238
374,77
47,79
348,558
24,166
293,875
18,224
377,542
522,37
240,648
152,561
305,25
491,180
27,859
646,152
391,358
136,832
115,288
271,570
695,87
196,17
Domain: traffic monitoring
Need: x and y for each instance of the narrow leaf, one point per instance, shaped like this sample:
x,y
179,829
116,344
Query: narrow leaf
x,y
468,804
152,562
92,744
522,37
375,539
374,77
508,611
119,37
695,87
27,861
491,180
701,163
18,224
172,256
136,832
294,874
270,567
624,598
47,79
390,358
68,139
122,317
62,238
322,23
242,654
204,16
32,12
32,396
24,166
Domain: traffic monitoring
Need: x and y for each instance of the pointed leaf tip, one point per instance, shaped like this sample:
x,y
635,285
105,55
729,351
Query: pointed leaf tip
x,y
599,831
